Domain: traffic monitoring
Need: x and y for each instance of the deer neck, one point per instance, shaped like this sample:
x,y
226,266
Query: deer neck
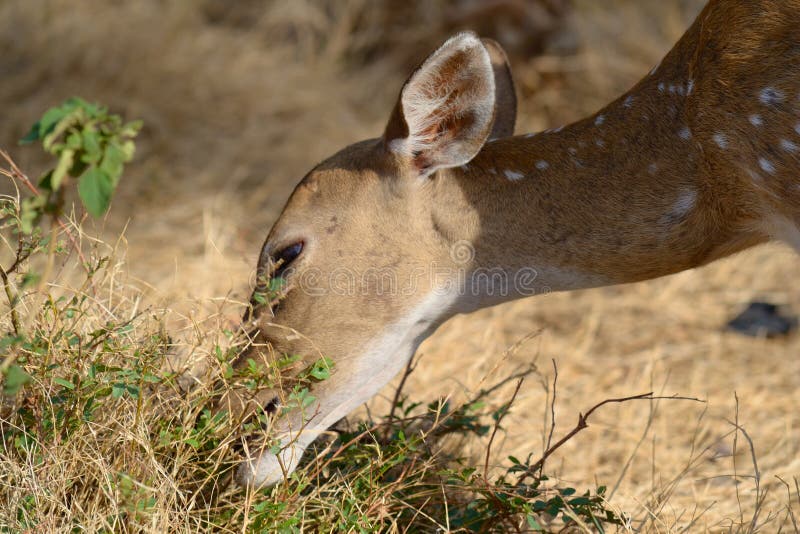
x,y
622,196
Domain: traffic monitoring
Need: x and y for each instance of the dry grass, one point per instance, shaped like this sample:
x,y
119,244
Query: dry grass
x,y
240,102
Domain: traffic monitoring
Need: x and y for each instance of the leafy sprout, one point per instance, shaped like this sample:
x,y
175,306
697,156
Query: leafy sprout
x,y
91,145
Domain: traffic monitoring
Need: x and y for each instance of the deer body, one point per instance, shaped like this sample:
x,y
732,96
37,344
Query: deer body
x,y
699,160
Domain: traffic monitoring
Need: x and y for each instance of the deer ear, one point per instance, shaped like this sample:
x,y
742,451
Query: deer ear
x,y
446,108
505,99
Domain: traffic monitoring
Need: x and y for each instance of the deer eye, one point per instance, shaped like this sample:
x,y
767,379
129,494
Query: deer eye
x,y
284,258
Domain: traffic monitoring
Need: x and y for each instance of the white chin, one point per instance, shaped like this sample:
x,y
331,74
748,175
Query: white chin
x,y
267,470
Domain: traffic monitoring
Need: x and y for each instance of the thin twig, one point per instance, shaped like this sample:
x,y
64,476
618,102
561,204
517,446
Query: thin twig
x,y
482,394
16,172
552,410
583,422
410,366
789,512
757,473
13,299
504,411
648,425
735,443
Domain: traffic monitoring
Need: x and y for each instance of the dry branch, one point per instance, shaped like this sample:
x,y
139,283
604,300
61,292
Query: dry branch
x,y
583,422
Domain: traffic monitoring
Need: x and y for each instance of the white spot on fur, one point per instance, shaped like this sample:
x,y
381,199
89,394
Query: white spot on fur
x,y
572,150
661,87
797,128
686,201
628,101
492,170
513,175
652,168
683,205
769,96
690,87
600,143
559,129
542,165
766,165
599,120
532,134
788,145
756,120
685,133
721,140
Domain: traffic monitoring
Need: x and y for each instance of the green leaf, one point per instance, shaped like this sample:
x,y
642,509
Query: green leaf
x,y
74,141
60,127
321,370
129,149
46,180
113,159
91,145
131,129
14,380
276,285
62,382
95,188
534,524
30,210
10,341
74,102
50,118
32,135
64,163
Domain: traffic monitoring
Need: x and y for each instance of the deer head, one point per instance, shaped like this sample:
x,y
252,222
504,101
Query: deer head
x,y
354,289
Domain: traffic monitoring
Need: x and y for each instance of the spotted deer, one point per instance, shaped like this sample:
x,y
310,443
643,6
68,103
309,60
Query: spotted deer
x,y
448,211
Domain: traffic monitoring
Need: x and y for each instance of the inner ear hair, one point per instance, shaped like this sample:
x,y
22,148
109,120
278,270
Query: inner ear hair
x,y
446,108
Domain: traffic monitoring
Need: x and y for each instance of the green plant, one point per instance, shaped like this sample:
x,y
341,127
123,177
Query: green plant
x,y
90,145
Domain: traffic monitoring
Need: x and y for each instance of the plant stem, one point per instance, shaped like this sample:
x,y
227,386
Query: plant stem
x,y
13,298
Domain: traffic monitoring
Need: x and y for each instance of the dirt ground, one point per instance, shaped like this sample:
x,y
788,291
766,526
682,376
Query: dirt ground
x,y
240,100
